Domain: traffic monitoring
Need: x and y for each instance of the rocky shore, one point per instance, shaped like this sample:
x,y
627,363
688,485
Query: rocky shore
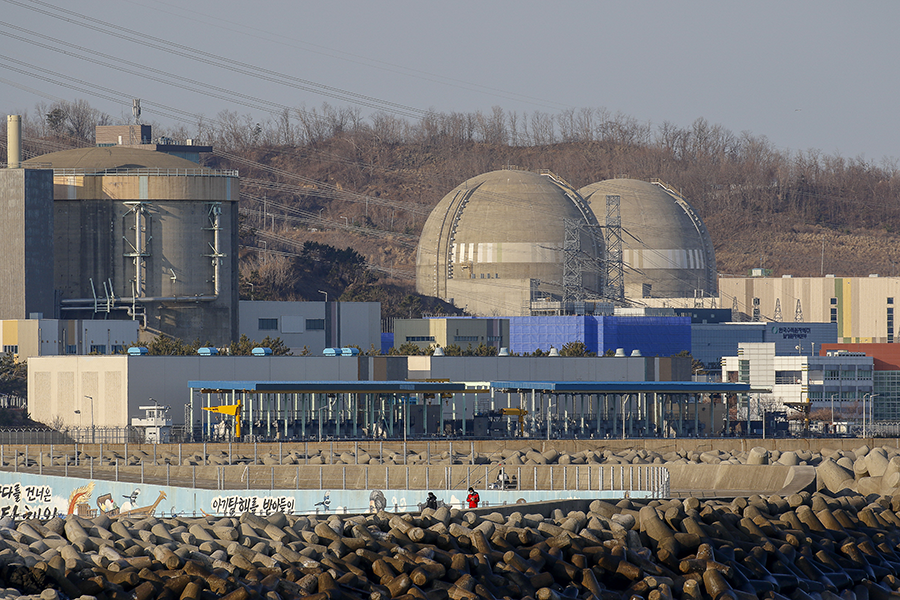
x,y
820,545
842,541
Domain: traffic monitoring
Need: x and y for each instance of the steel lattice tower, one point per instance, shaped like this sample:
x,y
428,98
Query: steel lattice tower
x,y
615,266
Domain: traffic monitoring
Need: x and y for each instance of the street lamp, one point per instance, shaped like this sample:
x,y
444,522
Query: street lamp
x,y
326,295
872,412
327,406
832,414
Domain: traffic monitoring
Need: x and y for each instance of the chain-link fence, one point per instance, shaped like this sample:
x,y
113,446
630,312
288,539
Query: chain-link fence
x,y
79,435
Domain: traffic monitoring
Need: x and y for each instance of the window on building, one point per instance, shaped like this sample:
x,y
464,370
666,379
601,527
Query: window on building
x,y
465,338
833,375
98,348
848,395
118,349
864,374
315,324
420,338
268,324
834,315
890,300
787,377
13,349
815,395
833,301
495,338
71,349
848,374
744,371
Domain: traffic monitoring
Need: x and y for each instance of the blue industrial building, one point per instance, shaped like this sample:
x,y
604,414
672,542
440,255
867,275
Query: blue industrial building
x,y
651,336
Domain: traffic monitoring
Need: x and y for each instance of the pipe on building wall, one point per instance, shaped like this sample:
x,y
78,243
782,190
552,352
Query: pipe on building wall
x,y
14,141
75,301
215,224
217,259
138,246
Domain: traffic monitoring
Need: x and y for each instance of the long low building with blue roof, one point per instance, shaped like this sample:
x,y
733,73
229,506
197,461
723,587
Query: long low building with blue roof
x,y
99,397
403,408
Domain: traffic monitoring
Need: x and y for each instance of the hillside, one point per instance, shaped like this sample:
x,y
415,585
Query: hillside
x,y
785,213
334,179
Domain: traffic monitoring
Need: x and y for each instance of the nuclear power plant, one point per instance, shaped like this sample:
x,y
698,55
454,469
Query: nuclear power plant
x,y
520,243
126,230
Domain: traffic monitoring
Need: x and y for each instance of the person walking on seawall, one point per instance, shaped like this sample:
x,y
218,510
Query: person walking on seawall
x,y
431,501
473,498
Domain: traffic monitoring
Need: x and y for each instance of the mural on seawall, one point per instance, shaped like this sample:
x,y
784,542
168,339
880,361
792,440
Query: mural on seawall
x,y
27,496
27,501
263,506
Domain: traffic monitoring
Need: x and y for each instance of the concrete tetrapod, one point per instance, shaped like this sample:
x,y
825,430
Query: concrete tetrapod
x,y
806,546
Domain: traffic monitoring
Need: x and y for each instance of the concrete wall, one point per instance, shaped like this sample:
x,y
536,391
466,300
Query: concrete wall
x,y
490,297
26,243
527,368
45,496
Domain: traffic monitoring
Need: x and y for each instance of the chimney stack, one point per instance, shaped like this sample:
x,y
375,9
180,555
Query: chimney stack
x,y
14,141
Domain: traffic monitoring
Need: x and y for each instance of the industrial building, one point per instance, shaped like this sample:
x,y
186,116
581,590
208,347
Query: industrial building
x,y
441,332
103,392
648,332
53,337
861,307
312,326
886,396
125,231
711,341
836,379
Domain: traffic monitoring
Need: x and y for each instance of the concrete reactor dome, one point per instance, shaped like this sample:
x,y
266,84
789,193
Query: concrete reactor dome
x,y
667,250
497,242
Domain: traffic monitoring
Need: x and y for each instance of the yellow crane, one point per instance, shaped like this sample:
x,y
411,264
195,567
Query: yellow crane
x,y
232,410
516,412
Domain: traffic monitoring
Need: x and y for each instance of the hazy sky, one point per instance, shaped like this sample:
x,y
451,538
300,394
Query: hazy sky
x,y
806,75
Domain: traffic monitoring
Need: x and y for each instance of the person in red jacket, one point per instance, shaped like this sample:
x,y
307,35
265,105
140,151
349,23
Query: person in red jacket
x,y
473,498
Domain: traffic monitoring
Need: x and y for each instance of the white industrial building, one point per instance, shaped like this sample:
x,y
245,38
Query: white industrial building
x,y
841,380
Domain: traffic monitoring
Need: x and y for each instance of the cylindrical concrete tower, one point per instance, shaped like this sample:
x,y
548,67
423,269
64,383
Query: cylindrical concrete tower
x,y
146,235
13,141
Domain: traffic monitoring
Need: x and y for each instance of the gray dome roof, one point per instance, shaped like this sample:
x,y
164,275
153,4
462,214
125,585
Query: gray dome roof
x,y
112,157
665,243
507,225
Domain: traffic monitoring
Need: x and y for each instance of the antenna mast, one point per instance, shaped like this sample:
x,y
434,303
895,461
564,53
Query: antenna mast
x,y
134,135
